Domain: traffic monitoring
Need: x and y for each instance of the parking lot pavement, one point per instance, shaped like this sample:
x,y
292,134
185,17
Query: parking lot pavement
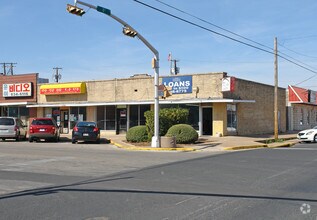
x,y
25,165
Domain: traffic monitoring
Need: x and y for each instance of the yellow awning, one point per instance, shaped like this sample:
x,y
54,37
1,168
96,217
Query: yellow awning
x,y
63,88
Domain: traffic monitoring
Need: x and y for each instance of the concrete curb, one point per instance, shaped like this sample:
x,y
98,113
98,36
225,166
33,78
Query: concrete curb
x,y
282,145
246,147
260,146
184,149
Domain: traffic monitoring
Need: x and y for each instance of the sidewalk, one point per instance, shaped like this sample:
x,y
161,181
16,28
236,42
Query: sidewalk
x,y
208,143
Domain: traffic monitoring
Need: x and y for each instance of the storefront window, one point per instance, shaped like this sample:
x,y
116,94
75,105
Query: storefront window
x,y
13,111
111,117
77,114
134,115
231,117
143,109
4,111
24,111
137,115
193,117
101,117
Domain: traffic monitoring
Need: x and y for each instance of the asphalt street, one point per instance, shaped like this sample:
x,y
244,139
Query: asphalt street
x,y
255,184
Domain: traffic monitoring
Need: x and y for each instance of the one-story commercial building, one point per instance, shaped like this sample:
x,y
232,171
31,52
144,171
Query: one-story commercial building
x,y
219,104
301,108
18,91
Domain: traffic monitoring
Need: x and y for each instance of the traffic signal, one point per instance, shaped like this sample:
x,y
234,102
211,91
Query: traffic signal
x,y
167,92
75,10
127,31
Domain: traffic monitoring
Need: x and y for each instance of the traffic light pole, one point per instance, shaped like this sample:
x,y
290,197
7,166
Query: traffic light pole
x,y
156,137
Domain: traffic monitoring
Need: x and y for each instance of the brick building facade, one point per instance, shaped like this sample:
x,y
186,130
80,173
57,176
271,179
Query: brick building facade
x,y
218,104
18,91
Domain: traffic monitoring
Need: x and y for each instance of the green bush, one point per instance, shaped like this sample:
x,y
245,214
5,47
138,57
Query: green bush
x,y
137,134
184,134
167,118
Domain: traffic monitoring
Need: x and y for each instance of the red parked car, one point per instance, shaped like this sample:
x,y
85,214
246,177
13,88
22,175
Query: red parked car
x,y
44,128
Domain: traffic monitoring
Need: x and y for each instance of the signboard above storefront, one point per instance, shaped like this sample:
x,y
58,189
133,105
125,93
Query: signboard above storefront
x,y
228,84
179,84
17,90
63,88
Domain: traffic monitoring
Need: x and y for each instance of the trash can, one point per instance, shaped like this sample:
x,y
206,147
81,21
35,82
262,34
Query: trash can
x,y
168,142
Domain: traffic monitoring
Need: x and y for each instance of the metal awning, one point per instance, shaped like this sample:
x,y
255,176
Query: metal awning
x,y
162,102
17,103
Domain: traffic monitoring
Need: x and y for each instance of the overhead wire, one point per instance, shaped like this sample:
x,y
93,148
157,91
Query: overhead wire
x,y
202,27
212,24
228,37
301,54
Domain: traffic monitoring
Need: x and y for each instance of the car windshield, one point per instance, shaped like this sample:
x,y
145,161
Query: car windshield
x,y
6,121
86,124
315,127
42,122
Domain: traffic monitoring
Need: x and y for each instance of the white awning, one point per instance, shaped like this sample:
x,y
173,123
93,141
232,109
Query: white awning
x,y
17,103
162,102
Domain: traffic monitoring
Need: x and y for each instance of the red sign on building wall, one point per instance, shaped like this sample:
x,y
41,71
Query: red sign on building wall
x,y
17,90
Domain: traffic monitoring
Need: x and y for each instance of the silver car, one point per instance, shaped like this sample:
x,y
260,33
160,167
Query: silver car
x,y
12,128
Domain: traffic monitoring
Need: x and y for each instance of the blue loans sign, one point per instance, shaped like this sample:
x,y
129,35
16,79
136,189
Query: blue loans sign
x,y
179,84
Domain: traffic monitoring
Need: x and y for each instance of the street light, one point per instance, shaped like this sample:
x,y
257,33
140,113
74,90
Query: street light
x,y
129,31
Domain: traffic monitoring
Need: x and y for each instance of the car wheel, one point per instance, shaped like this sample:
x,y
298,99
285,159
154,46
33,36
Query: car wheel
x,y
3,139
56,139
17,138
74,141
98,141
30,139
315,138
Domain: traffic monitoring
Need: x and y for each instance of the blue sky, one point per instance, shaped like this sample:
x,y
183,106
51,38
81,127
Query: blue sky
x,y
40,35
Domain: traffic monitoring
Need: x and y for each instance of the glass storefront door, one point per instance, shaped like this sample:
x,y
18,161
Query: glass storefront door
x,y
207,121
64,121
121,120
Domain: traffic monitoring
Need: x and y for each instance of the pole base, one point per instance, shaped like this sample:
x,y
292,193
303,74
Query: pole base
x,y
155,142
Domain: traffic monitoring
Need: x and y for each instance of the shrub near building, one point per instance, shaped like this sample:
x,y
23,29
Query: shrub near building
x,y
184,134
137,134
168,117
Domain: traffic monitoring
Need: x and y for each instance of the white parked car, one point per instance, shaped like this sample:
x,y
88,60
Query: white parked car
x,y
308,135
12,128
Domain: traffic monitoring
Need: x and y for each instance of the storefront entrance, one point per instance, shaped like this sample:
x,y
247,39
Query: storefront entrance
x,y
207,121
64,121
121,120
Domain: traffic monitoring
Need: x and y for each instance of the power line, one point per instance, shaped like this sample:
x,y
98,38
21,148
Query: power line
x,y
301,37
228,37
297,52
231,32
217,26
202,27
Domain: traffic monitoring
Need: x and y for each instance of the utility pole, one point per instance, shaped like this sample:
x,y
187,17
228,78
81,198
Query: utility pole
x,y
57,76
10,65
174,70
275,91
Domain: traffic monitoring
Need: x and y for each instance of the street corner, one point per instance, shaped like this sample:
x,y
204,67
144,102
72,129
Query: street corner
x,y
278,145
138,148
